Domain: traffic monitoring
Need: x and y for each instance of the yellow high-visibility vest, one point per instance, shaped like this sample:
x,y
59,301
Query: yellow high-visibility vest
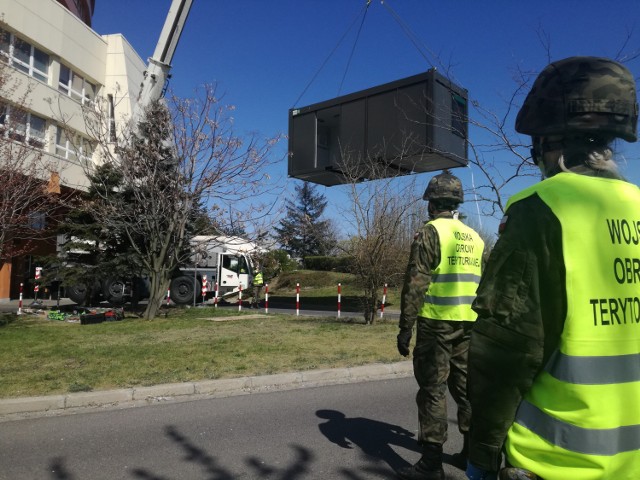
x,y
257,280
455,280
581,418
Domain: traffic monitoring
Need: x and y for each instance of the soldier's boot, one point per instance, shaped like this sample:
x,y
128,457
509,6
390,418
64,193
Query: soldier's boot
x,y
429,467
459,460
514,473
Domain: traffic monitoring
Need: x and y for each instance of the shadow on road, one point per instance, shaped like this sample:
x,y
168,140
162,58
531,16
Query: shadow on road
x,y
373,437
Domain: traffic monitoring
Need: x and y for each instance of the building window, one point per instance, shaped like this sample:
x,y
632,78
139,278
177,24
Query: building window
x,y
76,86
37,220
72,148
24,56
23,126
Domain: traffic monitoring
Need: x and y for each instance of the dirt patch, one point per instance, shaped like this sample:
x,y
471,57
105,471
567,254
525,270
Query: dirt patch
x,y
238,317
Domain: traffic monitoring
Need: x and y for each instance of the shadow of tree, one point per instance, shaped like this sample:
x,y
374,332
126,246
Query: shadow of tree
x,y
372,437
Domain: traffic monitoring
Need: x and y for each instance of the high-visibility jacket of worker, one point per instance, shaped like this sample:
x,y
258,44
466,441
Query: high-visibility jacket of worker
x,y
454,281
581,418
258,280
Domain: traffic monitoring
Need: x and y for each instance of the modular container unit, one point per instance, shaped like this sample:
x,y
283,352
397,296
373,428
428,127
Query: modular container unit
x,y
413,125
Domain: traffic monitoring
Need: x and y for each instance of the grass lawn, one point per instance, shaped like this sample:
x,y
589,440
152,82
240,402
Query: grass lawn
x,y
42,357
319,291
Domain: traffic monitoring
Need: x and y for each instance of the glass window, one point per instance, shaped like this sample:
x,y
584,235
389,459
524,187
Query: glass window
x,y
63,80
89,92
23,126
86,149
77,83
21,55
76,86
37,220
5,43
37,130
4,112
64,147
24,56
40,65
18,123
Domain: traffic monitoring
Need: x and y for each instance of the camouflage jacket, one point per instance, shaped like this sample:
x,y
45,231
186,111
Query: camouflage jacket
x,y
521,305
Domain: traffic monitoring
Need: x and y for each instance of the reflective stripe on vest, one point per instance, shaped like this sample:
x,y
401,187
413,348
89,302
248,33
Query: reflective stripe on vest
x,y
455,280
581,418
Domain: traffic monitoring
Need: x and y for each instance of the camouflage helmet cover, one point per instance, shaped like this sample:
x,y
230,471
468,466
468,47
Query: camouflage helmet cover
x,y
581,95
444,186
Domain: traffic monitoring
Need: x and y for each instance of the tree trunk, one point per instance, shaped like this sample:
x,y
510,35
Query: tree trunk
x,y
157,292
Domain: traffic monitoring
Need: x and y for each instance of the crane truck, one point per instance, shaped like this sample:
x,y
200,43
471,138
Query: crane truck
x,y
225,262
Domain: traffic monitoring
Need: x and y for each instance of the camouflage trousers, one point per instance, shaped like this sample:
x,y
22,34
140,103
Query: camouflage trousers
x,y
257,293
440,361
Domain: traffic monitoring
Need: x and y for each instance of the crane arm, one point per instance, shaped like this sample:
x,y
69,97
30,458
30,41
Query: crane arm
x,y
157,73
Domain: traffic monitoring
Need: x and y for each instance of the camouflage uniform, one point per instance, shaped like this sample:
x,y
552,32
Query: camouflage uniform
x,y
440,353
522,299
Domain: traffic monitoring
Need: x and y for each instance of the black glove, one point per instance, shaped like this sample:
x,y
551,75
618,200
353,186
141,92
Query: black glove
x,y
404,338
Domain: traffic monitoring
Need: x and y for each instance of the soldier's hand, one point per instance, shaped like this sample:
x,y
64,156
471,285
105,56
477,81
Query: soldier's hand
x,y
404,338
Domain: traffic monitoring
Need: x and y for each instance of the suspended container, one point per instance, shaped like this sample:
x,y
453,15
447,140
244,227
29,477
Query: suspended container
x,y
413,125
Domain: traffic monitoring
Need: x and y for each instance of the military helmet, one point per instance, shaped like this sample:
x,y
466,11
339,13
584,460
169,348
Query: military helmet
x,y
581,95
444,186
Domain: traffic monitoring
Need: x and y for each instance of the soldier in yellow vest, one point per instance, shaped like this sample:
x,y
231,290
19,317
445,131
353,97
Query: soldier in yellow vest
x,y
554,362
441,280
258,283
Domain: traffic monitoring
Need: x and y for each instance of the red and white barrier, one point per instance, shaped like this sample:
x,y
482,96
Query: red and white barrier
x,y
204,288
239,297
20,301
215,295
36,286
339,297
297,299
384,300
168,296
266,298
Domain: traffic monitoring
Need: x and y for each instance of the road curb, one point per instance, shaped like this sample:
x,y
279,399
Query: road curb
x,y
179,392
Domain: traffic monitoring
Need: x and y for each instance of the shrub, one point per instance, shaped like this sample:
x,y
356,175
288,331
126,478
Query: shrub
x,y
328,264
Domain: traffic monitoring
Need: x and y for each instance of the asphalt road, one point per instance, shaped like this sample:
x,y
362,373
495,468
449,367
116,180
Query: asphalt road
x,y
353,431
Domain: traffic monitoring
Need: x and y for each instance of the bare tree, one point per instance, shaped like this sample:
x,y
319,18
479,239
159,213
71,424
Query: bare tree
x,y
30,192
384,214
180,156
503,157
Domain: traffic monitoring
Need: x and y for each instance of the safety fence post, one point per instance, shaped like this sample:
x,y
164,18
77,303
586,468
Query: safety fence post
x,y
266,298
20,301
204,289
384,300
297,299
215,295
239,297
339,297
36,285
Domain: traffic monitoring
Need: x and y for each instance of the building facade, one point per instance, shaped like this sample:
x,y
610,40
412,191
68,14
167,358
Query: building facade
x,y
62,66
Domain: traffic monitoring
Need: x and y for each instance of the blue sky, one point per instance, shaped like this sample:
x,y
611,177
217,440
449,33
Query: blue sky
x,y
264,53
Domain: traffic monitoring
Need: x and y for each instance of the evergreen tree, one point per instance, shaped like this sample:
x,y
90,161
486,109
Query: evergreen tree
x,y
301,232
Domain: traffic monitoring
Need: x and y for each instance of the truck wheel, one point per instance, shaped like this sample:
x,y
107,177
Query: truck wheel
x,y
181,290
114,291
77,293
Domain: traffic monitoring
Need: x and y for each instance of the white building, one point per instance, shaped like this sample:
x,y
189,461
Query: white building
x,y
53,51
